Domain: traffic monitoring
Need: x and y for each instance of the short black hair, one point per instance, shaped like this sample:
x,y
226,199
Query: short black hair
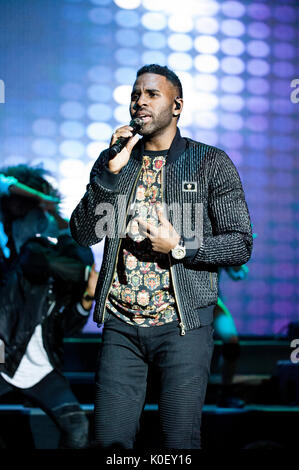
x,y
166,72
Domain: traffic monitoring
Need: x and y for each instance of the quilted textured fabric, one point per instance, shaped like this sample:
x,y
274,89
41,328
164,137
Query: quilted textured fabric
x,y
224,233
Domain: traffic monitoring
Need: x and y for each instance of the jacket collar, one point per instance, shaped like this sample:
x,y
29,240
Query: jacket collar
x,y
177,147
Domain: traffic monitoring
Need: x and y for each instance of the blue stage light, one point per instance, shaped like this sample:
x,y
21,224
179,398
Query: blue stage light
x,y
122,94
232,46
180,23
154,40
127,19
206,82
128,4
180,61
127,56
206,25
44,147
125,75
233,9
258,86
94,148
232,65
99,131
44,127
101,93
72,129
121,114
206,63
233,28
72,110
99,112
72,148
206,44
154,21
153,57
129,37
100,16
100,74
258,67
233,103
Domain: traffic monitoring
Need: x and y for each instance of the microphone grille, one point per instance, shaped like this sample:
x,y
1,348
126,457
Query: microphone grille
x,y
136,123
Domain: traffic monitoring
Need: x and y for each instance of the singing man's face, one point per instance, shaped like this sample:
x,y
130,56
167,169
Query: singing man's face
x,y
152,100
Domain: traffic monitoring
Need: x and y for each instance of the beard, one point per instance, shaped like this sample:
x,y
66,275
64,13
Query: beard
x,y
157,123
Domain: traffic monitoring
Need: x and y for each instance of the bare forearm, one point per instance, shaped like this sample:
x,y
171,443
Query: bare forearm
x,y
61,222
23,190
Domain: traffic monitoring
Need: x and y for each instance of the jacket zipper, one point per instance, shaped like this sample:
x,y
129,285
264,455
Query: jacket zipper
x,y
181,324
119,243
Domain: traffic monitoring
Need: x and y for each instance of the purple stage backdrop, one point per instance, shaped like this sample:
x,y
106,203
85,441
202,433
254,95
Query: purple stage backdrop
x,y
66,68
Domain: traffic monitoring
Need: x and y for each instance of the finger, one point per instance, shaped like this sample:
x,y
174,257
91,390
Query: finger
x,y
125,135
124,131
121,129
132,142
146,226
141,227
116,136
142,223
161,216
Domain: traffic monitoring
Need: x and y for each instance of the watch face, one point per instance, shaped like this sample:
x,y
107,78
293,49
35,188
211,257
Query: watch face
x,y
179,252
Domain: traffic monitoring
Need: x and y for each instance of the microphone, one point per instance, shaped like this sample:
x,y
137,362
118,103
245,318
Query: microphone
x,y
121,142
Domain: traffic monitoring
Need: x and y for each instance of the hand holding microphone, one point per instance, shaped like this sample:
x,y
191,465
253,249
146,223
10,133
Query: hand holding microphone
x,y
122,143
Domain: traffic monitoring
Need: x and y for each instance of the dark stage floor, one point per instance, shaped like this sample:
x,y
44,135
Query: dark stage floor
x,y
266,380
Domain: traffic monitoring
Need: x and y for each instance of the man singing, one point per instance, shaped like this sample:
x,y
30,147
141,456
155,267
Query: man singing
x,y
175,211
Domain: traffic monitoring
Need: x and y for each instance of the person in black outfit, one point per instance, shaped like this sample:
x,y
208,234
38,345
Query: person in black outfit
x,y
46,296
157,286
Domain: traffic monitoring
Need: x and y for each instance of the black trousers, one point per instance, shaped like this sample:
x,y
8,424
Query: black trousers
x,y
54,395
183,365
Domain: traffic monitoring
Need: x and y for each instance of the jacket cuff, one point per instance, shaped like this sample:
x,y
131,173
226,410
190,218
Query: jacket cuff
x,y
192,246
190,253
108,179
82,310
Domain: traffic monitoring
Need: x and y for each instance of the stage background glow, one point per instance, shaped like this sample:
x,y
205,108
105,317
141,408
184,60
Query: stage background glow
x,y
68,66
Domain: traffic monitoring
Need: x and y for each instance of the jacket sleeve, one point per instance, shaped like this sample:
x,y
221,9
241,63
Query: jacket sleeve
x,y
10,296
231,242
102,188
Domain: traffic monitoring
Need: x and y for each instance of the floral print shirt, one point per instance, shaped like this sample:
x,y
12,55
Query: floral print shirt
x,y
141,292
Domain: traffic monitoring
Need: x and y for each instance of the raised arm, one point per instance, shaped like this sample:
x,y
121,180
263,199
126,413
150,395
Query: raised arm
x,y
102,188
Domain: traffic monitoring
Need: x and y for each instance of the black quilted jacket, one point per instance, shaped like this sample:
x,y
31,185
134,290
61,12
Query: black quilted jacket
x,y
43,288
194,173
